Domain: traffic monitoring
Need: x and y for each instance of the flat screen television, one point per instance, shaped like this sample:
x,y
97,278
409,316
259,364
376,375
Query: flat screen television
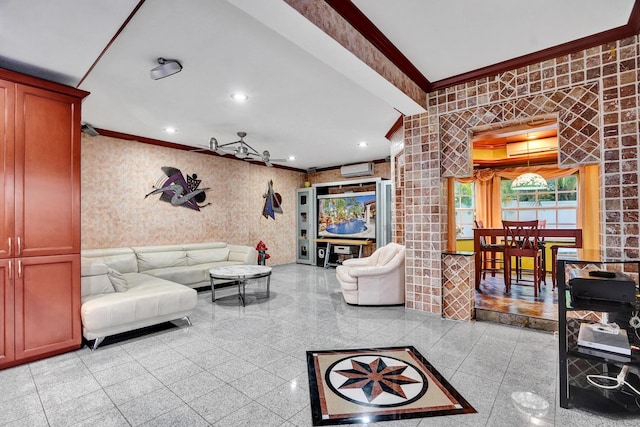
x,y
347,215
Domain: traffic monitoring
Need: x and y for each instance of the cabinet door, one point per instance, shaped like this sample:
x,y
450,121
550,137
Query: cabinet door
x,y
47,180
7,92
6,312
47,305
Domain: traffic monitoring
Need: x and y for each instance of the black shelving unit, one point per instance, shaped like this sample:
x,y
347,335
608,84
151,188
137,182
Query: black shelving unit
x,y
576,362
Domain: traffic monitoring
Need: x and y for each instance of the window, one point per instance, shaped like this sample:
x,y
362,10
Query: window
x,y
557,204
465,209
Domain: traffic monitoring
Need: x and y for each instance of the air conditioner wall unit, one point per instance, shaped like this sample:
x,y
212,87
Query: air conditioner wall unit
x,y
360,169
522,148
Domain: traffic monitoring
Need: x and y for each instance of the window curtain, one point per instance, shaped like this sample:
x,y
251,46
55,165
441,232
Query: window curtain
x,y
488,203
589,206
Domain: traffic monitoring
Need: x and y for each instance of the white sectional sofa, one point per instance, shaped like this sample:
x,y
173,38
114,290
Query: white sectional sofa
x,y
130,288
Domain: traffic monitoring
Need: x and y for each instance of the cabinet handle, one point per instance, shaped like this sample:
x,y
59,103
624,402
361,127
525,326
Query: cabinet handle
x,y
19,247
19,269
10,270
10,247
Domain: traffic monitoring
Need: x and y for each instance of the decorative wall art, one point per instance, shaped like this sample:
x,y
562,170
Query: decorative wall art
x,y
172,187
272,202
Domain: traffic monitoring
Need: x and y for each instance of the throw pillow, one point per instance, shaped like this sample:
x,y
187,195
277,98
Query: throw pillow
x,y
117,280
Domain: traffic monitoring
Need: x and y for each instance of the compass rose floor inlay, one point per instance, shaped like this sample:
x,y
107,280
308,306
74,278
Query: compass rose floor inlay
x,y
368,385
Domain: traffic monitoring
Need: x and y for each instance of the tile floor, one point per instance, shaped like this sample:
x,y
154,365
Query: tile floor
x,y
246,366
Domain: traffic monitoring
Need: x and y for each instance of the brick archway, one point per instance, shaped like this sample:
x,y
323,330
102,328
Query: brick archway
x,y
578,115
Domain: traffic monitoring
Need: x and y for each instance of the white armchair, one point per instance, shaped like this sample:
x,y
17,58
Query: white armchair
x,y
374,280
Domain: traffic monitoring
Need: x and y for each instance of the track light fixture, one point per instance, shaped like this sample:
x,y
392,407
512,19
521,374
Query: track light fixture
x,y
88,129
167,67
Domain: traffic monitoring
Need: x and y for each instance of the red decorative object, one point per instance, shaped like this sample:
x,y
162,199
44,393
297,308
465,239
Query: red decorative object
x,y
262,252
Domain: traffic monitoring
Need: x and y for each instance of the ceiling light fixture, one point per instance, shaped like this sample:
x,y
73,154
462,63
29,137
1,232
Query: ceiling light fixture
x,y
362,144
240,97
170,129
292,158
529,181
167,67
242,152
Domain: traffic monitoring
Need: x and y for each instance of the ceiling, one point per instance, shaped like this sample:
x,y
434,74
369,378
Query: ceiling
x,y
308,96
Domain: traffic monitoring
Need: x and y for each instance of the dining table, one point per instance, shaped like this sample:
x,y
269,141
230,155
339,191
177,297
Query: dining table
x,y
492,235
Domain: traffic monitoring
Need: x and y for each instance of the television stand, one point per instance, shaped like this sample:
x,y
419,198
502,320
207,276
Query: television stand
x,y
337,250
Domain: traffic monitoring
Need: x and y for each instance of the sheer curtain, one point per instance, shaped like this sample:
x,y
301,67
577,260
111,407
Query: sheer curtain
x,y
488,198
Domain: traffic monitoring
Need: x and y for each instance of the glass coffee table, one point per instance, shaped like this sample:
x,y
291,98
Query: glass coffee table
x,y
239,274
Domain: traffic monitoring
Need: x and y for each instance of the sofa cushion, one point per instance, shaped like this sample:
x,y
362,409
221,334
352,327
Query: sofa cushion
x,y
150,260
185,275
94,279
96,285
207,245
201,256
208,266
243,254
117,280
146,299
121,259
92,267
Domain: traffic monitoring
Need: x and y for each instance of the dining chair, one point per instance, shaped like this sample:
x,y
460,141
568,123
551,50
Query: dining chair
x,y
489,254
542,245
521,239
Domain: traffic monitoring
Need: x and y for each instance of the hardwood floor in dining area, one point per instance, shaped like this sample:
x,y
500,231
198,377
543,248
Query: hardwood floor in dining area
x,y
520,307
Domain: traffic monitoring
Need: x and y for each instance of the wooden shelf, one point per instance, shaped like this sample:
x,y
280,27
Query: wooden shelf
x,y
345,241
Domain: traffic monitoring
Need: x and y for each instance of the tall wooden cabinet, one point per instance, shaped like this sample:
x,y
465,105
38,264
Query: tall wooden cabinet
x,y
40,218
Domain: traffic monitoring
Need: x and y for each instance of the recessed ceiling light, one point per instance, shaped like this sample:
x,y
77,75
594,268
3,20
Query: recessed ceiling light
x,y
240,97
292,157
362,144
170,130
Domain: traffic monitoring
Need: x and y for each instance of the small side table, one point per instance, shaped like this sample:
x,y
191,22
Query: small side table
x,y
239,274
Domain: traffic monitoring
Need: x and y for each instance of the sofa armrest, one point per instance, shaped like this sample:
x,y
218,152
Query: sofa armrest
x,y
369,271
357,262
244,254
361,271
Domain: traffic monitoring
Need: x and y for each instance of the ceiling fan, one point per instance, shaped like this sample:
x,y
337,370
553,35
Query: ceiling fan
x,y
241,150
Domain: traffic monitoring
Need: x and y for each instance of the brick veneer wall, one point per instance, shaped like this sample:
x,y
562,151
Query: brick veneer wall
x,y
397,197
458,289
602,130
425,213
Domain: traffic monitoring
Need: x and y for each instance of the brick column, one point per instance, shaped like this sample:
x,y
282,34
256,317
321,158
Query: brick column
x,y
458,293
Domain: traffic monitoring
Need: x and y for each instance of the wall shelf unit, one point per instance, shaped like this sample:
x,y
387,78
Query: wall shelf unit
x,y
305,250
338,250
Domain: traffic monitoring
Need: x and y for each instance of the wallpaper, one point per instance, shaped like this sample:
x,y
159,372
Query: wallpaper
x,y
117,174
